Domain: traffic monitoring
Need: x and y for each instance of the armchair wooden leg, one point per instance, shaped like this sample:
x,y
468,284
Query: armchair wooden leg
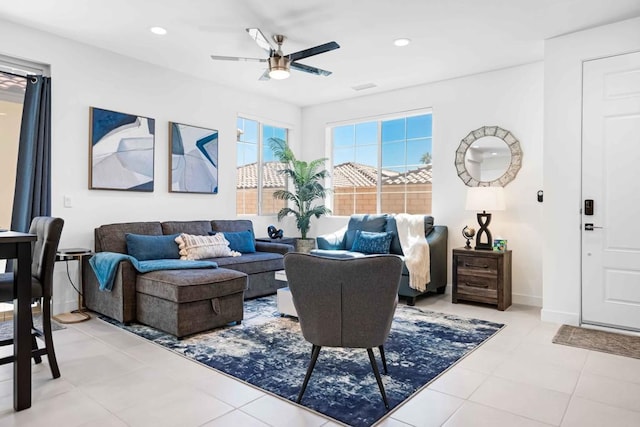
x,y
374,365
315,351
384,359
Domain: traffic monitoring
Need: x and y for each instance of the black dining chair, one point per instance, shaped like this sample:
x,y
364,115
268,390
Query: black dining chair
x,y
344,303
44,250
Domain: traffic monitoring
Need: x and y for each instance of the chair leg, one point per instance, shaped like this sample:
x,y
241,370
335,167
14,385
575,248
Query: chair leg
x,y
34,348
315,351
384,359
374,365
48,339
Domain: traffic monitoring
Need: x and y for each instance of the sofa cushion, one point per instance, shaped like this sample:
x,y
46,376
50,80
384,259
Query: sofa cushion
x,y
372,243
191,285
111,237
240,241
393,227
337,253
201,228
144,247
200,247
257,262
373,223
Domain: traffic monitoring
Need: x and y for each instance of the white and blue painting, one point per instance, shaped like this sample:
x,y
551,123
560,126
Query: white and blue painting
x,y
194,159
122,148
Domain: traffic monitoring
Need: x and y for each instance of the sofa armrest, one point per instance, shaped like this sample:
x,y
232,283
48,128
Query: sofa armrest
x,y
437,239
278,248
333,241
120,302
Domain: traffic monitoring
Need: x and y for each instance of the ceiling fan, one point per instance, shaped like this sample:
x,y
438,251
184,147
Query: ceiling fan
x,y
278,64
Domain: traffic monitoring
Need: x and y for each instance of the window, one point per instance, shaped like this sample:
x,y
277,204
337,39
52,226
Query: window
x,y
258,168
382,166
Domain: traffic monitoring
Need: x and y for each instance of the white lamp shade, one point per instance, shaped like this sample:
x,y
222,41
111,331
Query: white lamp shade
x,y
485,199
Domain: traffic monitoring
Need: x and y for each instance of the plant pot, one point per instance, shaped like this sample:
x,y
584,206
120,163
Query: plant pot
x,y
305,245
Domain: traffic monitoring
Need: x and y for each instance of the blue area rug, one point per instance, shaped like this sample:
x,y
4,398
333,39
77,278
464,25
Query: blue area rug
x,y
268,351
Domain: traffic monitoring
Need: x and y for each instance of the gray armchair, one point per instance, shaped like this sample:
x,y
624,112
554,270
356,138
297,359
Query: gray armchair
x,y
344,303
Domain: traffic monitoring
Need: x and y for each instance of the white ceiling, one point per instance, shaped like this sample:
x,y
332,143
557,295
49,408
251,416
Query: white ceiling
x,y
450,38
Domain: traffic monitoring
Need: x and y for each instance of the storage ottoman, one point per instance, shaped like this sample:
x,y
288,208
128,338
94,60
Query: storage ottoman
x,y
185,302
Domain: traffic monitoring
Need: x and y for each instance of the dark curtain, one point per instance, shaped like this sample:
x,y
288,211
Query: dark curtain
x,y
32,195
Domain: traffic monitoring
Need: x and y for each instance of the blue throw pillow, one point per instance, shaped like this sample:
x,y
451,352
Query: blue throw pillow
x,y
240,241
372,243
144,247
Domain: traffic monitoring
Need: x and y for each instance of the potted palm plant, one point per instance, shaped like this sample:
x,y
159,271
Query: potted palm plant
x,y
308,189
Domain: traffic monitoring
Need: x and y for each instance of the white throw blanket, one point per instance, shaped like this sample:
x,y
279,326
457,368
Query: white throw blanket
x,y
416,250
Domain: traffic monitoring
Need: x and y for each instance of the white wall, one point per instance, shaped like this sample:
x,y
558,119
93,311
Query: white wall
x,y
562,153
510,98
84,76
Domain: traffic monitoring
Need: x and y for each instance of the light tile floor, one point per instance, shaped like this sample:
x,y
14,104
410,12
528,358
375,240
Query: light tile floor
x,y
518,378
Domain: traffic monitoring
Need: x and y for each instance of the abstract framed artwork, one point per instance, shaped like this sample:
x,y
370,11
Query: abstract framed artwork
x,y
193,159
121,151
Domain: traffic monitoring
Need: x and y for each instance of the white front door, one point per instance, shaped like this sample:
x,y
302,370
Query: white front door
x,y
611,178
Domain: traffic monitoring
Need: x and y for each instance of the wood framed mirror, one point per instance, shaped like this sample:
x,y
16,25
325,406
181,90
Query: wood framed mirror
x,y
489,156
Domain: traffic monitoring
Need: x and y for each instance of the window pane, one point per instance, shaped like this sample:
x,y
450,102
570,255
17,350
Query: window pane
x,y
392,202
418,151
248,130
419,126
272,179
343,155
343,202
367,133
343,136
393,154
365,201
367,155
393,130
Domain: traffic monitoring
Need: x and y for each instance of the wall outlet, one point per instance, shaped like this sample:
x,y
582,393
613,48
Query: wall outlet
x,y
68,202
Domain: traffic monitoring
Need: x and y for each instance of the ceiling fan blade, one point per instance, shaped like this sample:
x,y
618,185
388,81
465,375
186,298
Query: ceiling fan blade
x,y
259,38
313,51
308,69
265,75
237,58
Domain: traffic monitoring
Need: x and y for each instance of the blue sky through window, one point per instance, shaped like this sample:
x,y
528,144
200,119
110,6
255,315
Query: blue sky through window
x,y
404,142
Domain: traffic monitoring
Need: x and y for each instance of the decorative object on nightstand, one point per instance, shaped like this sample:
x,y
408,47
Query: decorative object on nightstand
x,y
482,276
483,199
468,233
274,233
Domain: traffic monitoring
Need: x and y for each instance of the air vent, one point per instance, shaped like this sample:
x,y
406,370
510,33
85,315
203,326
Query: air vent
x,y
364,86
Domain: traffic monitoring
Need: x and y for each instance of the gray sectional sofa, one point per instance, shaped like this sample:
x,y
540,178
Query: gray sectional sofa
x,y
338,245
183,302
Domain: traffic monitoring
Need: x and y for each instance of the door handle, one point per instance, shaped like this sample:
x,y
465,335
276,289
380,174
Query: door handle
x,y
589,226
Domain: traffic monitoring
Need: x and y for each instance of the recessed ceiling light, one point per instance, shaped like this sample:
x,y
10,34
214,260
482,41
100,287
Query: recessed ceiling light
x,y
158,30
401,42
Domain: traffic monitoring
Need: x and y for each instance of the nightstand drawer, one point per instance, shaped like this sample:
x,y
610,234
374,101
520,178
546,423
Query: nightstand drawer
x,y
474,265
476,285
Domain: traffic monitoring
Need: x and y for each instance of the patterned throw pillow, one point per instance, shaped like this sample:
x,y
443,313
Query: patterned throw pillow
x,y
203,247
372,243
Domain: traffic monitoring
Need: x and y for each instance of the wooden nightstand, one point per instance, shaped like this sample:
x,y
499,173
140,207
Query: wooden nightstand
x,y
482,276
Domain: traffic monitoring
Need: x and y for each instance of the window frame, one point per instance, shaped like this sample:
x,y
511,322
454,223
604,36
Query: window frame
x,y
378,119
260,158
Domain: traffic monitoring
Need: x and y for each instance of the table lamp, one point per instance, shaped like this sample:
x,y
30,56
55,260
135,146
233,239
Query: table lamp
x,y
484,199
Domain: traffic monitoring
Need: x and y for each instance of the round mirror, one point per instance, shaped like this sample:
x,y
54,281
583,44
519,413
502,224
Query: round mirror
x,y
488,156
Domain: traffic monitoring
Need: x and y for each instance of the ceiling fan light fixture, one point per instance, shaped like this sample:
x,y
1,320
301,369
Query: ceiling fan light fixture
x,y
279,67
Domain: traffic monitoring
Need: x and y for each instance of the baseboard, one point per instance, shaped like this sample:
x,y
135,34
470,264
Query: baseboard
x,y
64,307
562,317
526,300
